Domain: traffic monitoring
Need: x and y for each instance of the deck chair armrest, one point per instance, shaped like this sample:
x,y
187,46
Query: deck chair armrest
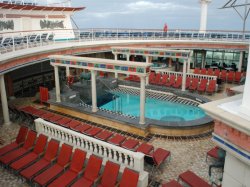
x,y
66,166
97,180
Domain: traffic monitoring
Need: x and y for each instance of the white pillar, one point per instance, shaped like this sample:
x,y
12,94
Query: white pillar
x,y
189,61
184,75
93,88
241,61
128,57
57,84
6,116
67,71
116,74
203,59
245,106
203,19
142,100
148,60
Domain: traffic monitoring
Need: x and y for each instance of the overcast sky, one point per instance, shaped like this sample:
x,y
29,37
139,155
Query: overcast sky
x,y
152,14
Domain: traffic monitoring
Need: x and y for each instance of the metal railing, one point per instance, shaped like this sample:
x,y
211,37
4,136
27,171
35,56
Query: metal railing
x,y
12,41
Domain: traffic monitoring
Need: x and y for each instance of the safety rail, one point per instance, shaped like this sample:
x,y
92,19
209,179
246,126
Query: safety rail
x,y
127,158
12,41
191,75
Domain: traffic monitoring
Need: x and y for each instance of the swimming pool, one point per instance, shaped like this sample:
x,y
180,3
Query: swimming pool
x,y
154,109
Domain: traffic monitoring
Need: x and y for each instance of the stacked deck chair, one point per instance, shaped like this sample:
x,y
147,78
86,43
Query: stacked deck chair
x,y
32,156
110,174
76,166
194,84
16,144
202,86
52,172
164,79
217,73
171,81
129,178
17,153
178,83
188,82
43,163
230,76
237,77
157,79
211,87
91,173
223,75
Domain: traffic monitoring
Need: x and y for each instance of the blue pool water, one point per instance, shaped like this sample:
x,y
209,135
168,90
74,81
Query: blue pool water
x,y
154,109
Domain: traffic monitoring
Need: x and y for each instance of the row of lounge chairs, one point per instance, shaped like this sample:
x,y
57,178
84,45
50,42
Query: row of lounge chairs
x,y
224,75
155,157
8,43
38,161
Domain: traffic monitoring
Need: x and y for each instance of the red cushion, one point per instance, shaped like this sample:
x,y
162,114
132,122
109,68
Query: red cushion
x,y
83,182
63,121
117,139
104,135
193,180
72,124
55,118
47,115
29,172
172,183
145,148
8,148
160,155
64,155
213,152
78,160
64,180
48,174
130,144
93,131
129,178
27,159
93,167
21,134
82,127
13,155
110,174
39,113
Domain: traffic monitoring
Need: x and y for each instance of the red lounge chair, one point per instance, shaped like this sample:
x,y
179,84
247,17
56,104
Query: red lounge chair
x,y
171,81
203,71
73,124
19,141
157,79
211,87
145,148
47,116
91,173
32,156
104,135
76,167
217,73
178,83
188,82
55,118
210,71
15,154
197,71
136,79
230,76
49,156
92,131
213,153
63,122
194,84
223,75
172,183
38,113
109,175
151,77
130,144
49,174
193,180
129,78
164,79
203,85
237,77
82,127
129,178
117,139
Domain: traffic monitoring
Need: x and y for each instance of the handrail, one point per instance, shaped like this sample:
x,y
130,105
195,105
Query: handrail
x,y
127,158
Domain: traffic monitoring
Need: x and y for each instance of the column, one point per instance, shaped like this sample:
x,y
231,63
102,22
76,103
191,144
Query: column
x,y
184,75
203,19
116,58
142,100
128,57
148,60
170,62
67,71
203,59
93,91
241,61
245,106
57,84
189,61
6,116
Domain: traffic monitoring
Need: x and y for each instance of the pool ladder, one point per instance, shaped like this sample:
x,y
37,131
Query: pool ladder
x,y
117,104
